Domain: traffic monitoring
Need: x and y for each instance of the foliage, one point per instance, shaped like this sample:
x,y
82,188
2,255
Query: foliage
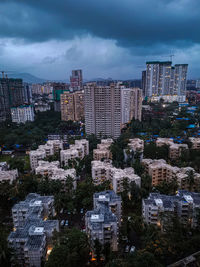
x,y
71,250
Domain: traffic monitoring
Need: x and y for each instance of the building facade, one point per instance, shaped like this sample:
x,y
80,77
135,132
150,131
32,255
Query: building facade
x,y
22,114
31,240
164,79
72,106
159,209
103,110
102,223
76,80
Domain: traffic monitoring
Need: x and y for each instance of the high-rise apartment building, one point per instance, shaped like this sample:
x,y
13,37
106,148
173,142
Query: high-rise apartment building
x,y
103,110
131,104
143,82
72,106
164,79
76,80
11,95
58,89
22,114
180,79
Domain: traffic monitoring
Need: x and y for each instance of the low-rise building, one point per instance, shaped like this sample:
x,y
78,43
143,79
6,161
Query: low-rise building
x,y
22,114
195,141
31,239
78,150
103,150
46,168
50,148
160,171
175,150
102,223
3,166
134,150
158,209
35,156
111,199
9,176
52,170
104,171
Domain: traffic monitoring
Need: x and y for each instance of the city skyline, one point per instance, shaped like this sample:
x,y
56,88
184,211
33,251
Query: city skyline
x,y
49,41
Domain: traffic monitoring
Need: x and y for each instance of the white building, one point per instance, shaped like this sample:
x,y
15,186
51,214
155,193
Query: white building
x,y
103,150
52,170
104,171
35,156
50,148
164,79
9,176
131,104
22,114
195,142
78,150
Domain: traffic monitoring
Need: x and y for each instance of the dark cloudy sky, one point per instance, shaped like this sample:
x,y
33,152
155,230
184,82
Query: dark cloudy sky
x,y
106,38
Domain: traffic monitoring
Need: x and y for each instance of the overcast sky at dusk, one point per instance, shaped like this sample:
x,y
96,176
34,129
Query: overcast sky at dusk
x,y
105,38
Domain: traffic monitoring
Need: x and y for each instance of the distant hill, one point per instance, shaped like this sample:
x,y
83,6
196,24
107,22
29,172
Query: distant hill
x,y
27,77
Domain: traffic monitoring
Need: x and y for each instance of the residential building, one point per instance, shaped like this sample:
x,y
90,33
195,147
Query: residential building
x,y
31,239
11,95
160,171
41,106
6,175
101,223
46,168
144,82
54,172
104,171
76,80
131,104
159,209
72,106
50,148
111,199
103,150
35,156
134,150
175,150
78,150
58,89
163,79
103,110
195,141
180,79
22,114
3,166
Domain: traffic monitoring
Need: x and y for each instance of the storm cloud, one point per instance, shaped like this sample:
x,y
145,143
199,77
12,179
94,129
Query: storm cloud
x,y
118,36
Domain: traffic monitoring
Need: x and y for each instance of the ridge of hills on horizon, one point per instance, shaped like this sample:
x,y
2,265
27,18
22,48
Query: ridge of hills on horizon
x,y
29,78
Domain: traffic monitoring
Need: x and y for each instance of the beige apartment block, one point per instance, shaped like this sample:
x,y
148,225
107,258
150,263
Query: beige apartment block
x,y
103,151
43,151
72,106
9,176
103,110
104,171
175,150
54,172
78,150
160,171
195,142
